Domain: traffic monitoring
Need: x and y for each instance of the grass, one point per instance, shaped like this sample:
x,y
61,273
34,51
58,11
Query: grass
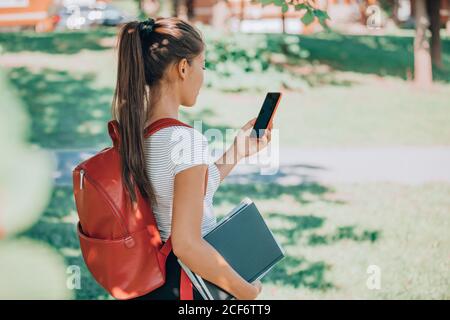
x,y
333,238
67,82
70,109
66,108
331,234
59,42
387,55
378,113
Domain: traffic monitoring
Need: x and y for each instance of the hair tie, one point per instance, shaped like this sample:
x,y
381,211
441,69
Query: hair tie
x,y
147,26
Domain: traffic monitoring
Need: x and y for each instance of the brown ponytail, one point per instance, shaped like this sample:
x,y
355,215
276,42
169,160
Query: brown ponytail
x,y
143,57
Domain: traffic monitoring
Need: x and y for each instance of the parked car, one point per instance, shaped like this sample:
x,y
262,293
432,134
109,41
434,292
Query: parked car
x,y
73,17
112,16
82,17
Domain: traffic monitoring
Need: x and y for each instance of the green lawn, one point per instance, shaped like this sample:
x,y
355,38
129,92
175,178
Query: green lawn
x,y
71,109
381,55
377,113
332,234
68,90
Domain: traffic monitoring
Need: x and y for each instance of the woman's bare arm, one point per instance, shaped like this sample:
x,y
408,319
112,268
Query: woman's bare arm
x,y
228,161
243,146
187,241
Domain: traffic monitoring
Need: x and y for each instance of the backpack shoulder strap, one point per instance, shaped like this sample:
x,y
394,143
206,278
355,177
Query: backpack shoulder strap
x,y
161,124
114,128
165,123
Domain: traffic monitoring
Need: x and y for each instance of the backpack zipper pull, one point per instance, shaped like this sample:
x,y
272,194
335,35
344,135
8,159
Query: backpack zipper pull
x,y
81,178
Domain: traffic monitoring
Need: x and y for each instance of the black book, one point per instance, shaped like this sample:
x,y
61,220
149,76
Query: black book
x,y
246,243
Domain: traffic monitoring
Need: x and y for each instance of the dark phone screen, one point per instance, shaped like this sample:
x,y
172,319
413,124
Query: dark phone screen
x,y
266,113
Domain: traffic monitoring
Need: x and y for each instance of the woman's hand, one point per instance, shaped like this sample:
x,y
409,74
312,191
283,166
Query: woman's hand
x,y
258,286
252,293
246,145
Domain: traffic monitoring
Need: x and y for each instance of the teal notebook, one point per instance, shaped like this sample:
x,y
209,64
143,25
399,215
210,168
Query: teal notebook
x,y
247,244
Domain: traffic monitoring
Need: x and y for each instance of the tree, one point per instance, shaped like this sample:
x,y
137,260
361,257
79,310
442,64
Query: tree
x,y
148,8
423,75
242,12
435,27
308,6
141,9
183,9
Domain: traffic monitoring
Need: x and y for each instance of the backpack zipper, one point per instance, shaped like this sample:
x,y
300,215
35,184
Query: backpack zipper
x,y
81,178
129,241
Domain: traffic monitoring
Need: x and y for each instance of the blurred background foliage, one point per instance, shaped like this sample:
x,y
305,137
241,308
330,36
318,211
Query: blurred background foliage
x,y
28,269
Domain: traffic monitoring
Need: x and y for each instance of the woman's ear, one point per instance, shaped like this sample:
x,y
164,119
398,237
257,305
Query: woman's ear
x,y
182,67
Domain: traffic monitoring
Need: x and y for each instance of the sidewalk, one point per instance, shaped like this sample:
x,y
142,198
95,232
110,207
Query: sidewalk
x,y
408,165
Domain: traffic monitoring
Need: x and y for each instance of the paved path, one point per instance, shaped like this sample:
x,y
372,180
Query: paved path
x,y
409,165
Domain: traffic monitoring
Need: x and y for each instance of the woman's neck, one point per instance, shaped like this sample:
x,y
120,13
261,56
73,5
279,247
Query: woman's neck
x,y
166,107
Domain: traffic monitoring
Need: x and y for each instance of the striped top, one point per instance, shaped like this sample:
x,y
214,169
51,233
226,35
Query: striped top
x,y
168,152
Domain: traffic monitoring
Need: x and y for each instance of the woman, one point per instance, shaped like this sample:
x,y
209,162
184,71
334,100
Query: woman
x,y
160,67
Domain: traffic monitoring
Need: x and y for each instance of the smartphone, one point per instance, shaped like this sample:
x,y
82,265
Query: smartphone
x,y
266,113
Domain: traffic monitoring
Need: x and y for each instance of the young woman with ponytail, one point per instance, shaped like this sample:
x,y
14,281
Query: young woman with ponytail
x,y
160,68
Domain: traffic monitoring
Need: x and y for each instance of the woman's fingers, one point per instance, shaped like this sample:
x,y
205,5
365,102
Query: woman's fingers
x,y
249,124
265,139
258,285
262,142
268,134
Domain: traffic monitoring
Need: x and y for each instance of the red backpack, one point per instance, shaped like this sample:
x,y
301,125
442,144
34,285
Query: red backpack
x,y
120,243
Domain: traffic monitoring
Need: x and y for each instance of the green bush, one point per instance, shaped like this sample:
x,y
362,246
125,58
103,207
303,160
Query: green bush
x,y
238,62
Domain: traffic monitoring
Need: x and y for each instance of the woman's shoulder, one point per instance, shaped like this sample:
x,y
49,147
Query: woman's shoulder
x,y
178,134
182,146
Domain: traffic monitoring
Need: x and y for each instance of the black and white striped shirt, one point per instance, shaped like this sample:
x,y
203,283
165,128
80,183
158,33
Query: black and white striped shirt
x,y
168,152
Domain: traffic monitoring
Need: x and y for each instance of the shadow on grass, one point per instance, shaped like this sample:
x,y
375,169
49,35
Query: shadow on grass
x,y
53,230
66,110
64,42
302,193
90,289
56,228
344,233
294,230
204,116
298,272
291,228
297,231
380,55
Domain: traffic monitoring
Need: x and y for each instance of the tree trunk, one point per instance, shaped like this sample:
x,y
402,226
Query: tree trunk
x,y
395,7
175,7
241,14
423,74
435,27
190,9
140,9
